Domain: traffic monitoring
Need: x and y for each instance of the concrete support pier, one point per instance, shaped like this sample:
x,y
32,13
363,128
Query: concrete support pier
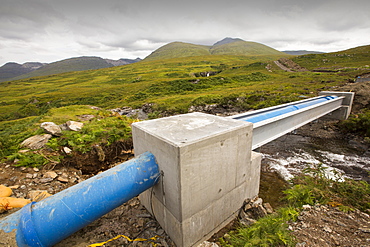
x,y
208,170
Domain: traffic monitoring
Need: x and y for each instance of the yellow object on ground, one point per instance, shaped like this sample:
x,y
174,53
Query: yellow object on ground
x,y
5,191
130,240
7,203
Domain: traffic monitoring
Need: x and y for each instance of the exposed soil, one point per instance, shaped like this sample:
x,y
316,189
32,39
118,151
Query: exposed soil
x,y
326,226
317,226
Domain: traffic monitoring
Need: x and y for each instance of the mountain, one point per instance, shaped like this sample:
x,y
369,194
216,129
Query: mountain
x,y
122,61
15,71
302,52
10,70
227,40
227,46
177,50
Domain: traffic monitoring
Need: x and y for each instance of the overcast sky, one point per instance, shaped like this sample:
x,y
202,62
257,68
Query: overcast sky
x,y
52,30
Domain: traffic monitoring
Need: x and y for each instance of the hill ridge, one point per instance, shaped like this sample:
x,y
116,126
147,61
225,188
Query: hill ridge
x,y
226,46
14,71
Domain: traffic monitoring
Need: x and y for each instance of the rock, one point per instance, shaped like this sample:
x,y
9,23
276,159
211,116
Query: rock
x,y
129,112
366,230
45,180
85,117
327,229
247,221
38,195
268,208
28,175
51,128
67,150
36,169
50,174
36,142
208,244
63,178
257,202
74,126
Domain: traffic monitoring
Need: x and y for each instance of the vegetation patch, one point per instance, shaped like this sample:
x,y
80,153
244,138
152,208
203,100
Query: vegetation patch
x,y
311,187
358,123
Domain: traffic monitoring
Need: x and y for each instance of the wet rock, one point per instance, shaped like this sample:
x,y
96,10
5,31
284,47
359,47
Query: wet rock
x,y
36,142
51,128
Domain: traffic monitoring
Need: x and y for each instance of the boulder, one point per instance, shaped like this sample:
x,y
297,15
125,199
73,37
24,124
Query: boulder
x,y
74,126
36,142
51,128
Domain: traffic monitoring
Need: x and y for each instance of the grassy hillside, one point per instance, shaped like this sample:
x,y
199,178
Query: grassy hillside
x,y
227,46
243,48
354,58
178,50
171,84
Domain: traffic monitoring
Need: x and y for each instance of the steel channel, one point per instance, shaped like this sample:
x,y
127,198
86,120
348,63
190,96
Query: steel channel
x,y
271,129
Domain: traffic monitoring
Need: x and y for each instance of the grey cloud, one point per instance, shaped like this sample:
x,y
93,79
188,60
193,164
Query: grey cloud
x,y
132,27
22,19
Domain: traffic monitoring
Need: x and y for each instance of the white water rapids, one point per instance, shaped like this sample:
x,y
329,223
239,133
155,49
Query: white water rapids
x,y
296,161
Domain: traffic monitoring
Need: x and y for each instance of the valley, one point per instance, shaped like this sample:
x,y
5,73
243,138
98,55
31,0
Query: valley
x,y
175,79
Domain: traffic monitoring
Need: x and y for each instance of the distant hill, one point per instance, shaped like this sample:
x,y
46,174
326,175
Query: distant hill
x,y
10,70
15,71
227,46
302,52
177,50
122,61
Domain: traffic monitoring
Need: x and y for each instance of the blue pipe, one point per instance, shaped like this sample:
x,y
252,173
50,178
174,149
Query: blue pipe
x,y
258,117
51,220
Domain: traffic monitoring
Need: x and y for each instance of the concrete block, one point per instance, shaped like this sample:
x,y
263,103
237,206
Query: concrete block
x,y
207,171
343,112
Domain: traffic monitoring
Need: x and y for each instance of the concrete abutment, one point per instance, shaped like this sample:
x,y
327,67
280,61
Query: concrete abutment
x,y
208,170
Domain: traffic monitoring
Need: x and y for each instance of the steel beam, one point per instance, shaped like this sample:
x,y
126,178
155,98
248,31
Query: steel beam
x,y
270,129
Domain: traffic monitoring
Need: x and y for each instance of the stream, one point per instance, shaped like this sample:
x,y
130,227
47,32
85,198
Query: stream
x,y
310,146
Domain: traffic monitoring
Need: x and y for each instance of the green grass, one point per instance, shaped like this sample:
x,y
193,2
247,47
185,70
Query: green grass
x,y
354,60
311,187
237,48
171,85
162,82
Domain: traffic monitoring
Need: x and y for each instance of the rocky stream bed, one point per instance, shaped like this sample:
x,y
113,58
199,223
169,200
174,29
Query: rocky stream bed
x,y
319,225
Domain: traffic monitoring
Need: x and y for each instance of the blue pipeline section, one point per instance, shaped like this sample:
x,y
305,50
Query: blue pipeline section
x,y
53,219
258,117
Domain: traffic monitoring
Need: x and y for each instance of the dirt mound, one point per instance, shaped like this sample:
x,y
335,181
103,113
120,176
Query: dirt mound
x,y
100,158
288,65
326,226
362,94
